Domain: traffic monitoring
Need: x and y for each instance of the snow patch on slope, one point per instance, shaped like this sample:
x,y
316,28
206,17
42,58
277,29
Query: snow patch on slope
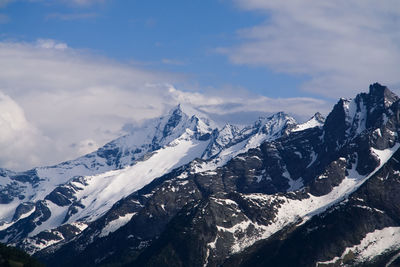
x,y
293,210
57,217
372,245
33,245
105,189
315,121
116,224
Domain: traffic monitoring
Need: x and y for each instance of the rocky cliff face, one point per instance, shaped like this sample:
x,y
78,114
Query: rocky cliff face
x,y
185,193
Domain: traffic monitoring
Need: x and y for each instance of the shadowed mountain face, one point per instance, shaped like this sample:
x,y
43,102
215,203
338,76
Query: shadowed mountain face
x,y
181,192
11,257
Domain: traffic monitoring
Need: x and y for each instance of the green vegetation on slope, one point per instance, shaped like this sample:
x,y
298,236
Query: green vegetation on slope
x,y
12,257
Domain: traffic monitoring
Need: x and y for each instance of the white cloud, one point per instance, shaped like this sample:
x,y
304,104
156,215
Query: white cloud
x,y
20,141
71,96
86,146
341,45
66,102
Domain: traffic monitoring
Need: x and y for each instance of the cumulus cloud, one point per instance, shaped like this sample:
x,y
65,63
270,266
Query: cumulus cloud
x,y
70,97
62,102
20,141
341,45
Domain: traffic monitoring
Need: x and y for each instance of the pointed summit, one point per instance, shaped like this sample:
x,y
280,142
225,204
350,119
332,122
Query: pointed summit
x,y
318,117
175,117
381,95
351,117
180,120
176,110
377,88
278,124
276,117
315,121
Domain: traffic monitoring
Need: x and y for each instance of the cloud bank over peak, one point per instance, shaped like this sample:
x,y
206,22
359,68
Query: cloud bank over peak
x,y
337,44
59,102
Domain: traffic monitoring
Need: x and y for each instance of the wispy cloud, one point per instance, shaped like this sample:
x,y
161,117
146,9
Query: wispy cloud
x,y
51,44
169,61
5,2
151,22
341,45
71,16
4,18
243,107
83,3
77,3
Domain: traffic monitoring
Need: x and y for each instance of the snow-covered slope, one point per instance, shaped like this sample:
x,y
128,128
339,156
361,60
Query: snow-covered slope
x,y
315,121
36,184
98,193
77,192
86,187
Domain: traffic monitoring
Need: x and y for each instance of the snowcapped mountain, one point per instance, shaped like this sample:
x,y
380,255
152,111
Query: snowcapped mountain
x,y
181,192
65,198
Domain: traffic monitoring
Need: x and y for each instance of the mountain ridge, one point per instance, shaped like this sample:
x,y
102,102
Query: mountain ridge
x,y
64,199
238,189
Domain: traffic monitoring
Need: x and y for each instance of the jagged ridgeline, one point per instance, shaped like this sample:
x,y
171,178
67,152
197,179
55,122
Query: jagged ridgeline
x,y
181,191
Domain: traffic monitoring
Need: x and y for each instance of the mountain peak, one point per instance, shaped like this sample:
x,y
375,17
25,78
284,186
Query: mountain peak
x,y
276,116
281,114
377,89
277,124
318,117
317,120
176,110
382,95
189,111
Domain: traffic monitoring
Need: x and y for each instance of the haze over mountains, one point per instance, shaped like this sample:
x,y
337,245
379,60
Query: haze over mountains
x,y
182,192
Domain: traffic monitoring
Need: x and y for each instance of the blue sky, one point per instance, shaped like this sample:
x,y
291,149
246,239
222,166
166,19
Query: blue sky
x,y
177,36
75,73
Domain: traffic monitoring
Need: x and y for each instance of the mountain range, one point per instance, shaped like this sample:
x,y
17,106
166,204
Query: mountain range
x,y
181,191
